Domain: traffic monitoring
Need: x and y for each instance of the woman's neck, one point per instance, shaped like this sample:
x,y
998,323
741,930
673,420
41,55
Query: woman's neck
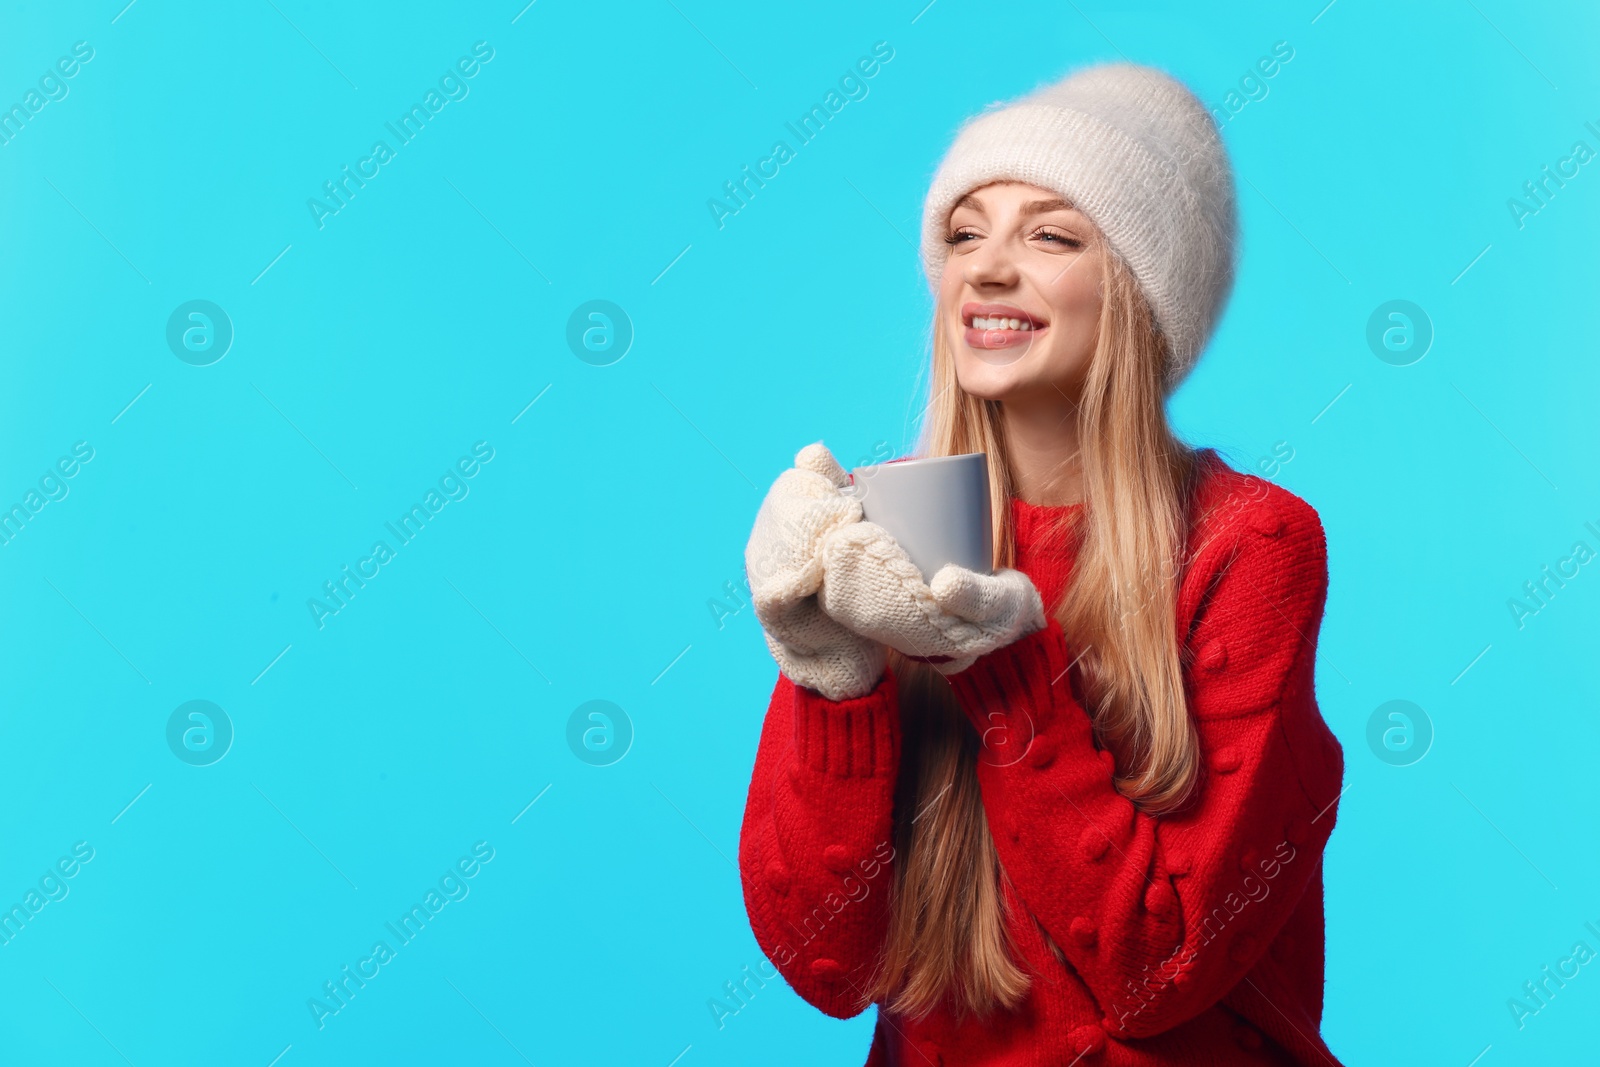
x,y
1042,443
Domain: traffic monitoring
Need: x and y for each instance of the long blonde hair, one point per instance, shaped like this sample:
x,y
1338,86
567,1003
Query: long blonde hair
x,y
947,936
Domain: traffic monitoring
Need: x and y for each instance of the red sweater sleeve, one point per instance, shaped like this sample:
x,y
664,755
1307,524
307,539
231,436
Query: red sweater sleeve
x,y
816,846
1162,916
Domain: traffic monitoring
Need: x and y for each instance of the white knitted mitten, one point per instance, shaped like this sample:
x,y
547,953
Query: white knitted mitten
x,y
783,563
870,585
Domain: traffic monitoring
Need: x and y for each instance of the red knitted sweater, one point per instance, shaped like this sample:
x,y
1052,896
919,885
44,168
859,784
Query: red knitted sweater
x,y
1191,938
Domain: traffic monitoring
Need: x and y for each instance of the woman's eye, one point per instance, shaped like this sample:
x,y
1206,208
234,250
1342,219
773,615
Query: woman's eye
x,y
1064,240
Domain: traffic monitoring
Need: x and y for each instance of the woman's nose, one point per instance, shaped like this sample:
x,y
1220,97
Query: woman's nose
x,y
992,265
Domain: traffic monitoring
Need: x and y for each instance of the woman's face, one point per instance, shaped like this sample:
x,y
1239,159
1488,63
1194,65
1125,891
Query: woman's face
x,y
1020,257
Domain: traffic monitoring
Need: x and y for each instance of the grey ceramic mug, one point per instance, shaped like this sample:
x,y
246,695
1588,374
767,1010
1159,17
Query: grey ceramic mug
x,y
937,508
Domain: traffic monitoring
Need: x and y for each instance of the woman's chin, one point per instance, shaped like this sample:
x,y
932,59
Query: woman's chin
x,y
987,381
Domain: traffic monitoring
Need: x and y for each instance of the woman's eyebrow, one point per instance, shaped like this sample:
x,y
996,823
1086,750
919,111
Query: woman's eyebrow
x,y
1036,207
1032,207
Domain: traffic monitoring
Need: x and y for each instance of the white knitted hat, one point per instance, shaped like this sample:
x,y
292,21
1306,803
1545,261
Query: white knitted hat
x,y
1132,148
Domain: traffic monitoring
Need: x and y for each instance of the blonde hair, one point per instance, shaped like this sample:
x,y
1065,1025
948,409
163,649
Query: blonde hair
x,y
947,935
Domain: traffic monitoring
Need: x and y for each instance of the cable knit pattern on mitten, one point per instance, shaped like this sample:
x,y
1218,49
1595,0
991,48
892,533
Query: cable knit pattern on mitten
x,y
871,585
783,563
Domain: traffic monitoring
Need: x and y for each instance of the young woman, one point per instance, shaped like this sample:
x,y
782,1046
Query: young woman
x,y
1072,812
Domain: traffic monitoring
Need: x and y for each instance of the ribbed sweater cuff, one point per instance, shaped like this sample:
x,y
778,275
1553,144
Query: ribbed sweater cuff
x,y
1016,693
854,738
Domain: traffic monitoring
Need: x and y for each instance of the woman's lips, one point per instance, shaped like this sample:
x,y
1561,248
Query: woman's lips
x,y
984,315
1000,326
1007,338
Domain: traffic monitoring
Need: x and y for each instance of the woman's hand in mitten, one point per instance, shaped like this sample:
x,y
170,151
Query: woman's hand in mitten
x,y
870,585
783,562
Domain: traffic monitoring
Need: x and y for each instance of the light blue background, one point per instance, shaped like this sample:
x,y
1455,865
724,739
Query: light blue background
x,y
427,314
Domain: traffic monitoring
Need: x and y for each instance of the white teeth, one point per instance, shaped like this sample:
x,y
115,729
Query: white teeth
x,y
979,322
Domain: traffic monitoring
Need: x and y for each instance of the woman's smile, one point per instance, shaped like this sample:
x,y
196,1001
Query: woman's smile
x,y
991,326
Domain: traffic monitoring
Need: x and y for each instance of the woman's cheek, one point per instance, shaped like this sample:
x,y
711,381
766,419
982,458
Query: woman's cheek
x,y
949,293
